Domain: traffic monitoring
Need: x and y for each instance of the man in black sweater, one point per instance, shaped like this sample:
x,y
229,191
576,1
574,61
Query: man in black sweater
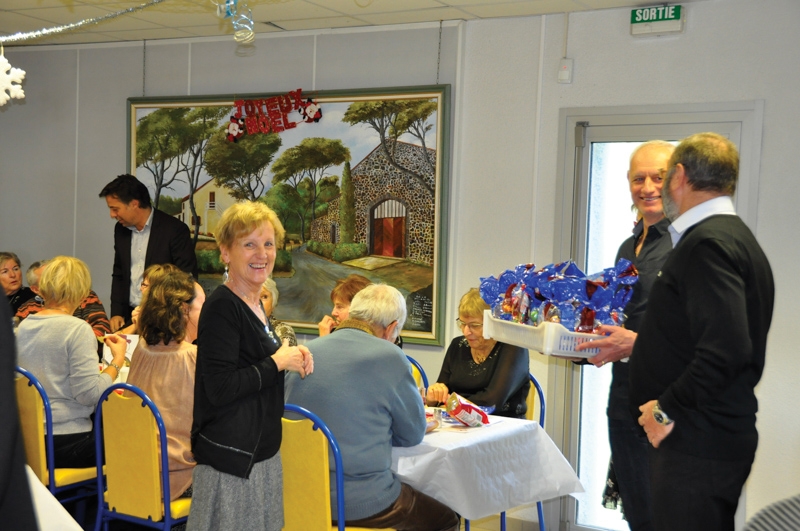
x,y
700,350
647,248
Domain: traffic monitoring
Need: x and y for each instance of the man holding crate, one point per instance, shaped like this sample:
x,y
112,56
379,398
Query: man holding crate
x,y
648,249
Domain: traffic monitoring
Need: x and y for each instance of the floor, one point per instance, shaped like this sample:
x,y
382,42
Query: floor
x,y
492,523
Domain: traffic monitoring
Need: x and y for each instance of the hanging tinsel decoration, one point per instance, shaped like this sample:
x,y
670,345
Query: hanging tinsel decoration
x,y
241,19
47,32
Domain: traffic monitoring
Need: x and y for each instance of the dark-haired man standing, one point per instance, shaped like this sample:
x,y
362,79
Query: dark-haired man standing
x,y
142,236
701,347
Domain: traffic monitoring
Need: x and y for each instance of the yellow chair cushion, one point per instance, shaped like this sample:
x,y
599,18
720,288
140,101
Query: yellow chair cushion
x,y
68,476
180,508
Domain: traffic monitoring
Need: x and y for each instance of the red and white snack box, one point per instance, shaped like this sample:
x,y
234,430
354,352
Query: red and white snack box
x,y
465,411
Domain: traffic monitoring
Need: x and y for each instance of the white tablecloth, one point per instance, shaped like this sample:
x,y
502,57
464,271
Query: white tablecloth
x,y
479,472
50,514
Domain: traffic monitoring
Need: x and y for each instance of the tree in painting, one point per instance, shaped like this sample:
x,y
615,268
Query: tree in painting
x,y
304,167
198,127
242,167
391,119
347,206
158,146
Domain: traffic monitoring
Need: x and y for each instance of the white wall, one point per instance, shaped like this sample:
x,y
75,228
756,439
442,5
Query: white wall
x,y
61,144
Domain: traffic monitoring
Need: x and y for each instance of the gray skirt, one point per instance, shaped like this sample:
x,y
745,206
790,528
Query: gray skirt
x,y
222,501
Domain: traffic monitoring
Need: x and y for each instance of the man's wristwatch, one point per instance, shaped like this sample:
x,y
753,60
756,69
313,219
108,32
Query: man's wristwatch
x,y
660,416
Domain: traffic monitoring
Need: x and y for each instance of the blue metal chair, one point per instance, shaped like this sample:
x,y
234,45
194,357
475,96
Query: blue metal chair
x,y
36,418
136,486
539,508
417,366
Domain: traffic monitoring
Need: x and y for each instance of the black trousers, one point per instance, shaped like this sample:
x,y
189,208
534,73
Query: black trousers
x,y
74,450
694,494
629,451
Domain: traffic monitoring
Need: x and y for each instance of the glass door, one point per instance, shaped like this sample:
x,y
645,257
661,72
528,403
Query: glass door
x,y
604,219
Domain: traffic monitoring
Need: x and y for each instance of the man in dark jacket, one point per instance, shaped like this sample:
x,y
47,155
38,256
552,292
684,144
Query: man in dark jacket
x,y
142,236
701,348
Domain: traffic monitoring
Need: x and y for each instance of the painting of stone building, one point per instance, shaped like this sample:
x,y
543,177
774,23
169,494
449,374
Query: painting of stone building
x,y
359,187
394,213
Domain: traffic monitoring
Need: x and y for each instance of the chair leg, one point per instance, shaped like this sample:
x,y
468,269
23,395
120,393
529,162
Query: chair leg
x,y
541,515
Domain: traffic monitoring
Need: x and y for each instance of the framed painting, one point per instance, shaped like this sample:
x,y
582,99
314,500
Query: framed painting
x,y
359,179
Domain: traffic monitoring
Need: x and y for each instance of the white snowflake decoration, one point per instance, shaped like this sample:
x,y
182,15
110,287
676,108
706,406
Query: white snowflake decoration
x,y
8,77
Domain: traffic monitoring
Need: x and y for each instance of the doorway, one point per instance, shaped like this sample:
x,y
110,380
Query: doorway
x,y
594,213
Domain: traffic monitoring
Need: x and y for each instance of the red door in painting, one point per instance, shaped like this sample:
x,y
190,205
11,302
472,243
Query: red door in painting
x,y
389,229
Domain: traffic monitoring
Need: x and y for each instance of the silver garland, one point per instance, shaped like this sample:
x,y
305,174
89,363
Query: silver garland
x,y
20,37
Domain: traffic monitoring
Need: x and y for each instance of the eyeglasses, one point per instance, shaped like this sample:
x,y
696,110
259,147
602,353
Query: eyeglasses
x,y
475,327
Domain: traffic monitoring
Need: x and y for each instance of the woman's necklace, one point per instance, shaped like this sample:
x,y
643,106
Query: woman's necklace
x,y
254,305
480,357
55,310
257,309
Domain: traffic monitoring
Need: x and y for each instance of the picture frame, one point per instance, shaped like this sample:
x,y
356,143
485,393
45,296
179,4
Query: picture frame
x,y
384,217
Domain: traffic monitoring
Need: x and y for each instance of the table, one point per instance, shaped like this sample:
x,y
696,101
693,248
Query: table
x,y
482,471
50,514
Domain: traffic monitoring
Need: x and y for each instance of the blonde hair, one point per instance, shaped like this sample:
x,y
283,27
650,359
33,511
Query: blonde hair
x,y
241,219
156,272
472,305
65,282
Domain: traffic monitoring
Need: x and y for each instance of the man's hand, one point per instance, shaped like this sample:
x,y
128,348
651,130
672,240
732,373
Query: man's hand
x,y
655,432
116,322
617,344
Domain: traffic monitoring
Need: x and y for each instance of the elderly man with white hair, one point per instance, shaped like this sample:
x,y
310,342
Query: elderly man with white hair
x,y
362,388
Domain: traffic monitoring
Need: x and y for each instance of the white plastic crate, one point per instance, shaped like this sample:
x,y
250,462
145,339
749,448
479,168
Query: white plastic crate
x,y
547,338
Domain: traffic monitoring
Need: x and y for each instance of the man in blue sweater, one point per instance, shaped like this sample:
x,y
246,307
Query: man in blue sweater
x,y
701,347
362,388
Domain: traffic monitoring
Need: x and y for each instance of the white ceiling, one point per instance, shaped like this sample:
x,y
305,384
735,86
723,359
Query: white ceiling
x,y
173,19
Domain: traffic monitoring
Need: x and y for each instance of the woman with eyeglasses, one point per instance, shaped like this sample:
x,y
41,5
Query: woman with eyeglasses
x,y
484,371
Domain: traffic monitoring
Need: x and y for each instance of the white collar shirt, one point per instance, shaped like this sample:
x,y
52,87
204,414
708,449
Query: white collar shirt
x,y
719,205
139,241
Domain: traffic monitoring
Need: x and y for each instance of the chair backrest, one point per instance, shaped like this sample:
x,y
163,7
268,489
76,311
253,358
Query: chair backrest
x,y
137,473
542,406
306,473
418,372
31,400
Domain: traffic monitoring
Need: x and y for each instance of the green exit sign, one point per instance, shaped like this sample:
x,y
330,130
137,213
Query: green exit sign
x,y
657,20
646,15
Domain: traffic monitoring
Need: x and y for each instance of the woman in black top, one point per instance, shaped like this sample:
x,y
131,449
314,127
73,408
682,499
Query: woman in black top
x,y
11,281
238,396
484,371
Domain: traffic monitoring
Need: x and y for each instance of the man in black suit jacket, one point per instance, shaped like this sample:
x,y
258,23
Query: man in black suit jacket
x,y
701,348
167,241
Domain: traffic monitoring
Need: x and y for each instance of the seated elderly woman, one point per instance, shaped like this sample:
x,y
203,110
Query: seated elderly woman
x,y
11,281
60,350
269,300
483,371
163,366
341,295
